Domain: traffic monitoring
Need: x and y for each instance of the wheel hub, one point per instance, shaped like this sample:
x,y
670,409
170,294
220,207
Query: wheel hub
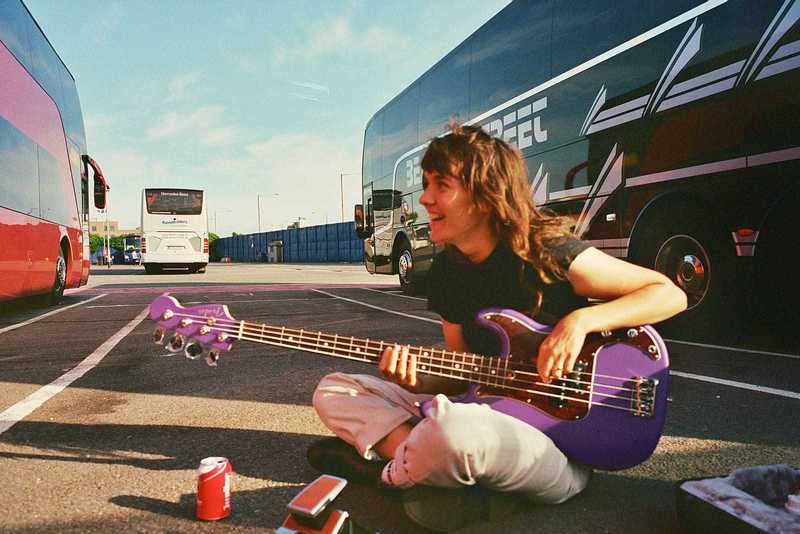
x,y
405,264
686,262
61,275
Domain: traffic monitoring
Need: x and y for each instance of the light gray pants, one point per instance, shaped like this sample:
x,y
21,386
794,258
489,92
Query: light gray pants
x,y
454,445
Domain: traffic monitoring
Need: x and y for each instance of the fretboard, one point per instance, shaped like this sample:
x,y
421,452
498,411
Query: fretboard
x,y
492,371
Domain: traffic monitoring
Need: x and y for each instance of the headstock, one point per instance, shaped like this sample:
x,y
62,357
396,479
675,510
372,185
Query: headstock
x,y
193,329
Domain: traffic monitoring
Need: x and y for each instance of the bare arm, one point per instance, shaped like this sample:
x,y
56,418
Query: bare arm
x,y
634,295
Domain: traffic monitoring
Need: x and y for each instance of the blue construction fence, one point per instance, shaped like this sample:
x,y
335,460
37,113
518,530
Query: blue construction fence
x,y
336,242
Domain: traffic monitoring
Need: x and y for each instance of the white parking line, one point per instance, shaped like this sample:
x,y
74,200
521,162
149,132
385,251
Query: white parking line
x,y
378,307
25,407
393,293
247,301
734,349
48,314
740,385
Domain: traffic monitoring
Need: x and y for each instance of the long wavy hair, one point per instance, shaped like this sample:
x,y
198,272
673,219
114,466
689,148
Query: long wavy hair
x,y
494,174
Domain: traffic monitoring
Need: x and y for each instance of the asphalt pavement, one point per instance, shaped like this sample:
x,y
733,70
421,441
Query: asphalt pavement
x,y
102,430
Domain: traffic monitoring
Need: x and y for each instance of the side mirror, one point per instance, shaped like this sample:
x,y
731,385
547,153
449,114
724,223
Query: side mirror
x,y
100,185
100,188
362,230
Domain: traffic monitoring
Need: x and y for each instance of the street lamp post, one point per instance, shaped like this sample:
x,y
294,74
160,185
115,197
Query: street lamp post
x,y
108,237
215,218
341,189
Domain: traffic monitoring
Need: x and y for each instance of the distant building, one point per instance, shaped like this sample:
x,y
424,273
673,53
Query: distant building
x,y
99,227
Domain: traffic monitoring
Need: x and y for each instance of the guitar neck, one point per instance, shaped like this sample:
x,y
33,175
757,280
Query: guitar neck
x,y
431,361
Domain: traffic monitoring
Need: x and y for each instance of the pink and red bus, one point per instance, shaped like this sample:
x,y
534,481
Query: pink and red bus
x,y
44,168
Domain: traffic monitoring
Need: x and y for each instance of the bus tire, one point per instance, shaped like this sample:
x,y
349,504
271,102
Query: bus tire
x,y
694,256
60,281
405,270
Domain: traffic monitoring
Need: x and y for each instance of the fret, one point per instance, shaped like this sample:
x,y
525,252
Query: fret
x,y
444,361
319,338
283,329
241,329
424,360
352,339
505,371
263,330
335,342
475,368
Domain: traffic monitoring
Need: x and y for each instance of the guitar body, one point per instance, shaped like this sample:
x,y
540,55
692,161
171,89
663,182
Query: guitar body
x,y
609,415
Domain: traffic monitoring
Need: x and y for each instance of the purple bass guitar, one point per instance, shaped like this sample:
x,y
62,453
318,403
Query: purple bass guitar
x,y
607,413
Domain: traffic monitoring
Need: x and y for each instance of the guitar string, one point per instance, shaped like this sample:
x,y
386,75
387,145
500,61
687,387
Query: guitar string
x,y
317,349
495,378
467,367
627,400
492,379
237,326
380,345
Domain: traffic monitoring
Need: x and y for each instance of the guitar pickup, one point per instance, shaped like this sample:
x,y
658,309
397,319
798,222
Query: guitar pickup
x,y
643,397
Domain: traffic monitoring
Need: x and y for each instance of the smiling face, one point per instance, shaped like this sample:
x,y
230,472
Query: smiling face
x,y
455,218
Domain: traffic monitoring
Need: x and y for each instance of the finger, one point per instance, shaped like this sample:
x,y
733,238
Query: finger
x,y
402,364
412,369
570,364
558,368
391,363
543,364
386,356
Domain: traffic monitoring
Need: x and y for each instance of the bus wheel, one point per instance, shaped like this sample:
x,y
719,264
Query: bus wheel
x,y
60,282
694,259
405,270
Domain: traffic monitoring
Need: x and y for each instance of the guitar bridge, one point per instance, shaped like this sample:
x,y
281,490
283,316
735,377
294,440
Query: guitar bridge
x,y
643,398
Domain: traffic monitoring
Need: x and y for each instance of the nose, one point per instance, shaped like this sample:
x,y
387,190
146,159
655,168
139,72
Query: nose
x,y
426,198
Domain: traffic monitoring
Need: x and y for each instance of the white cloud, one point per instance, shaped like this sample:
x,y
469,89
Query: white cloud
x,y
203,125
313,86
337,36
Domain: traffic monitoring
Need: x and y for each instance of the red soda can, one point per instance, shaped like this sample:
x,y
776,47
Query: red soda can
x,y
214,488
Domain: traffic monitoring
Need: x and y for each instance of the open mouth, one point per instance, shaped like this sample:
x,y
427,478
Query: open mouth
x,y
437,218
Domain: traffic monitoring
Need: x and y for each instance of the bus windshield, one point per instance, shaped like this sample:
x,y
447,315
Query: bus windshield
x,y
174,201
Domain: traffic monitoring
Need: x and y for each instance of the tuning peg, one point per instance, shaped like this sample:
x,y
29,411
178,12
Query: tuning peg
x,y
193,351
159,334
212,358
175,343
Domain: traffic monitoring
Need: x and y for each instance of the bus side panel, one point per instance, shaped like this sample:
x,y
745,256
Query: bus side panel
x,y
14,265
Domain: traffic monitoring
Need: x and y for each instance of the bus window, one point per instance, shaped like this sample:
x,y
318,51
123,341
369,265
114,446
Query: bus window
x,y
510,54
444,93
19,185
585,29
372,149
174,202
399,128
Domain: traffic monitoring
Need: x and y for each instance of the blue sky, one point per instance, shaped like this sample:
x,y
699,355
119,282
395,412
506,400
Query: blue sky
x,y
245,97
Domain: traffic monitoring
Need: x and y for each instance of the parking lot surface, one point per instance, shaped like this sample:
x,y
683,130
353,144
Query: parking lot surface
x,y
102,430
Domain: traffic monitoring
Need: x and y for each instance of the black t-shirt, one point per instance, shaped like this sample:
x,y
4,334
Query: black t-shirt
x,y
457,290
